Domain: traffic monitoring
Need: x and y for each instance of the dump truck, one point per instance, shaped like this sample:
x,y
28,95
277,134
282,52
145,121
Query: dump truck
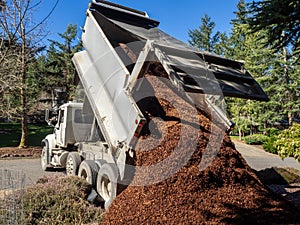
x,y
95,137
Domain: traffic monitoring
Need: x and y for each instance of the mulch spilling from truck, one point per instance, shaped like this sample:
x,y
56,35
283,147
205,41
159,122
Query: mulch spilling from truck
x,y
226,192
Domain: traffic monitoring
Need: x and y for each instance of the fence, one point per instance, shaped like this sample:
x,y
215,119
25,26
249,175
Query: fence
x,y
12,184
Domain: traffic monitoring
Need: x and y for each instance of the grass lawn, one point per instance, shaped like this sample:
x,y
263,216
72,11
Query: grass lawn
x,y
233,137
10,134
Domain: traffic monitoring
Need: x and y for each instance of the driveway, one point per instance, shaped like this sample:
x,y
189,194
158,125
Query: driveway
x,y
30,167
258,159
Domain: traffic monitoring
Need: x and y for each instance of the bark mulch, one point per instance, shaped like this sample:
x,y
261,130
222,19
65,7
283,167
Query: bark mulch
x,y
175,190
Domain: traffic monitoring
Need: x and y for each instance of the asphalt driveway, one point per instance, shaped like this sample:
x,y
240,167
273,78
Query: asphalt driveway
x,y
30,167
258,159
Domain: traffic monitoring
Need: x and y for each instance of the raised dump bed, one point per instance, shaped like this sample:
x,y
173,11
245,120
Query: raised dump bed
x,y
119,46
119,43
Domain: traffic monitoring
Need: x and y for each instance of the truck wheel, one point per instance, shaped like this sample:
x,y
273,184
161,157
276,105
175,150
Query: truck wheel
x,y
44,164
107,183
88,170
100,163
72,164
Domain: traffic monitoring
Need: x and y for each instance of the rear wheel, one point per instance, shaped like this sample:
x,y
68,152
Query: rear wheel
x,y
72,164
107,183
88,170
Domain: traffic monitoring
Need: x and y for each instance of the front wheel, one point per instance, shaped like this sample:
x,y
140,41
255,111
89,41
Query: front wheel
x,y
107,183
44,164
72,164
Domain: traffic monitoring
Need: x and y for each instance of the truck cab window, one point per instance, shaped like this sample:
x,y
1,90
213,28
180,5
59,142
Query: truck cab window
x,y
61,116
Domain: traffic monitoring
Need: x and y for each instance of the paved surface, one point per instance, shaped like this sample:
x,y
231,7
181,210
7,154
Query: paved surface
x,y
258,159
31,168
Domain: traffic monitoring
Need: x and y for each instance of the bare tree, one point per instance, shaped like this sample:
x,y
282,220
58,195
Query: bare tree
x,y
19,42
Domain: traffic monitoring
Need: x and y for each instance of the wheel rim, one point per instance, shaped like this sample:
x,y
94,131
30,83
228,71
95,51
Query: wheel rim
x,y
84,175
70,166
106,188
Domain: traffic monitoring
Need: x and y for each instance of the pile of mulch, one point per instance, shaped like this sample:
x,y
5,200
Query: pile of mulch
x,y
226,192
15,152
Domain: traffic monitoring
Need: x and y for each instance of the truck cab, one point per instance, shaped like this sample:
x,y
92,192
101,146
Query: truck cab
x,y
71,126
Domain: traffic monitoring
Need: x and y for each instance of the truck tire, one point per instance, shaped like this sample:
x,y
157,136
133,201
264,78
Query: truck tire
x,y
100,163
72,164
44,164
107,183
88,170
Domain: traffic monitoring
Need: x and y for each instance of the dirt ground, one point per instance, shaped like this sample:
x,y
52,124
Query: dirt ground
x,y
15,152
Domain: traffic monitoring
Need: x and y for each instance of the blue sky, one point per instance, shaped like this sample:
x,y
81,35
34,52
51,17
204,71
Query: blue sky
x,y
176,17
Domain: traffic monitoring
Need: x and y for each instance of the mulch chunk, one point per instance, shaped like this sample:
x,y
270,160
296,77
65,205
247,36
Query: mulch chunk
x,y
168,186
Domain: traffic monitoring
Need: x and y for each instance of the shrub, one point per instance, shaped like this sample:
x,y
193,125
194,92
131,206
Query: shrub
x,y
288,142
256,139
60,200
269,145
272,132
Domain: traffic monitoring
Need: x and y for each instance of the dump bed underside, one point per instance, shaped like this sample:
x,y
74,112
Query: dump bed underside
x,y
195,70
118,43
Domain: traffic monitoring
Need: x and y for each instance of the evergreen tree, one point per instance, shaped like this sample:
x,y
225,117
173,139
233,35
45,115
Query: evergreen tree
x,y
276,73
281,20
57,64
287,85
259,61
205,38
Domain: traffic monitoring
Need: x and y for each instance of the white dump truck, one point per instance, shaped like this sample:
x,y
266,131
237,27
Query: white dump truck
x,y
95,137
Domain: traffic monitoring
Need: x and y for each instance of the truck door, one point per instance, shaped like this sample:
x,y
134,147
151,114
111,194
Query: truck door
x,y
60,128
